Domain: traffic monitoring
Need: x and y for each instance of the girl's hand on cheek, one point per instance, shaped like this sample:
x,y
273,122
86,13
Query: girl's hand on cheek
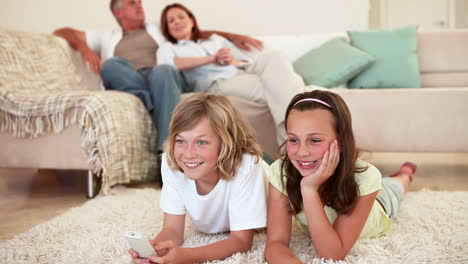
x,y
327,167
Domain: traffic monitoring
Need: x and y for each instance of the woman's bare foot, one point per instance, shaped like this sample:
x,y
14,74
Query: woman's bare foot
x,y
405,174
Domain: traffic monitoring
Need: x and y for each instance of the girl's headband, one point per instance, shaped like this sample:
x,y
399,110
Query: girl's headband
x,y
312,100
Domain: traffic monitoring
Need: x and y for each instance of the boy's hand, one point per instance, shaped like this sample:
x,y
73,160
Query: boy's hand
x,y
161,252
138,260
174,254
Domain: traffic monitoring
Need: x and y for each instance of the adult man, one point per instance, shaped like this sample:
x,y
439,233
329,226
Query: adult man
x,y
129,58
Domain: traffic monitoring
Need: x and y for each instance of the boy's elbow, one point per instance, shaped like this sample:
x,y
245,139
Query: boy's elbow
x,y
246,246
241,241
243,244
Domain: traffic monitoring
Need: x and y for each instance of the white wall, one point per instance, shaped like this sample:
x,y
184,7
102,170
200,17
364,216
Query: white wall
x,y
254,17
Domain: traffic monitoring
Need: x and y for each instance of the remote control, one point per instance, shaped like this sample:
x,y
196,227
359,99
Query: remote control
x,y
140,244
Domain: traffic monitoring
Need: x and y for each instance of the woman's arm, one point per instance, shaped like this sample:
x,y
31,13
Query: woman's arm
x,y
279,229
238,241
167,54
223,56
186,63
237,54
335,241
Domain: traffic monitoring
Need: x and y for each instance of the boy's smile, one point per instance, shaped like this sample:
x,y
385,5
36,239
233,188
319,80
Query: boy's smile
x,y
196,151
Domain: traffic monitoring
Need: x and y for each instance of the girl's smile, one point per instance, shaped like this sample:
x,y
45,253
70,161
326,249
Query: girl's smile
x,y
307,164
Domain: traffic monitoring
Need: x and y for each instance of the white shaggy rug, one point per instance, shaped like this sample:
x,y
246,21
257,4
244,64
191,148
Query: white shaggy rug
x,y
432,228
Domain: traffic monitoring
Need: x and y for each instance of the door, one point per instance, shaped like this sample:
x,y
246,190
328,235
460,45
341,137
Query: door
x,y
428,14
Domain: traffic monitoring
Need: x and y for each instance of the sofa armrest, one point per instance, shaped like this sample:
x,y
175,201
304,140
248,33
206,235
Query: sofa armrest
x,y
88,80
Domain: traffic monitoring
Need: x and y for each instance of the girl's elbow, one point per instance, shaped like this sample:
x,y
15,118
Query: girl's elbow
x,y
268,253
333,256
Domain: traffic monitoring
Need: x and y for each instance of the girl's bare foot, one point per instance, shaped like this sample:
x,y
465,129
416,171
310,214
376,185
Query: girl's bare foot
x,y
405,174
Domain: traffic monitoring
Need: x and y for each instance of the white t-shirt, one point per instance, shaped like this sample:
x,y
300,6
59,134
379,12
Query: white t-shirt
x,y
238,204
104,42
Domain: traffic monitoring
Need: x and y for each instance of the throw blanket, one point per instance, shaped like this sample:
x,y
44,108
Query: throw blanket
x,y
44,88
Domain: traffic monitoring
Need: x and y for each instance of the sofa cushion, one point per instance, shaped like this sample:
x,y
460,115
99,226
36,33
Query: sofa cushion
x,y
332,64
396,64
294,46
443,51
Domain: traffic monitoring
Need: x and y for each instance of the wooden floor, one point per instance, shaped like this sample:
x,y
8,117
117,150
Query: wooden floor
x,y
29,197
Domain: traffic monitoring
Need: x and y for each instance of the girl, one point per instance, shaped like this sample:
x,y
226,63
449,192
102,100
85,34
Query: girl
x,y
334,196
217,66
211,170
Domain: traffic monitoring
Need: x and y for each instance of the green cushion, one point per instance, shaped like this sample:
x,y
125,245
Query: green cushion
x,y
396,64
332,64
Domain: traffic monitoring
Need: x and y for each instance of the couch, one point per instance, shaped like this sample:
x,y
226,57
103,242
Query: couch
x,y
429,119
54,114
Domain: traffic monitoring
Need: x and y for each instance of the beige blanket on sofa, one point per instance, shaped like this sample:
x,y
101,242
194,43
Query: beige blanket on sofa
x,y
42,90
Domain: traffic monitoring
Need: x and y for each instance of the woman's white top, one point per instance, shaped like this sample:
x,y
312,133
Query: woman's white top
x,y
200,78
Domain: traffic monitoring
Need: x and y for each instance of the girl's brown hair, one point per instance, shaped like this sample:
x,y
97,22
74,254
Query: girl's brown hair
x,y
237,137
196,35
340,191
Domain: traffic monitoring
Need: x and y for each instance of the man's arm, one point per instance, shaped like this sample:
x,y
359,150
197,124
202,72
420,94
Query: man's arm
x,y
77,40
241,41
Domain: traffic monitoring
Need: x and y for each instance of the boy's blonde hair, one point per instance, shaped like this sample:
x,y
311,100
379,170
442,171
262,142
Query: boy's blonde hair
x,y
237,137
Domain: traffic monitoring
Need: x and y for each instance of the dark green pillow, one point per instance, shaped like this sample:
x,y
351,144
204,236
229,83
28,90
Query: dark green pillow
x,y
396,64
331,64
